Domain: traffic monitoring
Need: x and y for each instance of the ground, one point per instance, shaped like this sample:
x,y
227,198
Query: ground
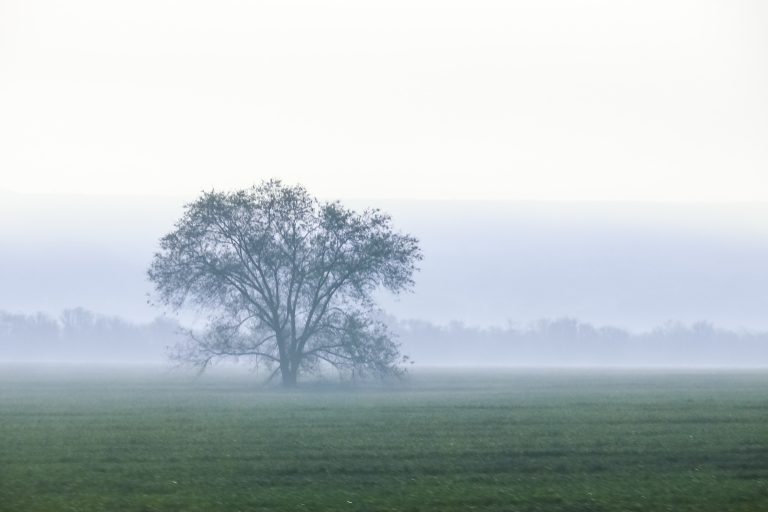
x,y
495,440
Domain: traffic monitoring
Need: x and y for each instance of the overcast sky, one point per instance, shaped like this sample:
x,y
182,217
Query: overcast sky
x,y
536,99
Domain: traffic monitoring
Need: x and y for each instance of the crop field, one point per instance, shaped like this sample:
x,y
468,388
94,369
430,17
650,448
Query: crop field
x,y
515,440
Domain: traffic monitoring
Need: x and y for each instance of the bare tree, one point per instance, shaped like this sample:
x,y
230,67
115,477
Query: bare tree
x,y
286,279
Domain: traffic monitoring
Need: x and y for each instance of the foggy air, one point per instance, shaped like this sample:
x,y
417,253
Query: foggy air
x,y
383,256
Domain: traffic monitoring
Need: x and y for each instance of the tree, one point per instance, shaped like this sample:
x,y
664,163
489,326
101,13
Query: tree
x,y
286,280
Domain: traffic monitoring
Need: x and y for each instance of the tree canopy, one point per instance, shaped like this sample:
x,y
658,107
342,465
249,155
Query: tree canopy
x,y
286,280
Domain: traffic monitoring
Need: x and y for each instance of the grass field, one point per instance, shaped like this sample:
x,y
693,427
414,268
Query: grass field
x,y
123,440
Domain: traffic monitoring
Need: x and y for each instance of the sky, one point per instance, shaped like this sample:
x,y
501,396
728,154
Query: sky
x,y
606,160
660,100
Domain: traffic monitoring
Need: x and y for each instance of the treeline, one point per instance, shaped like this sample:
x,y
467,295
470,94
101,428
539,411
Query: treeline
x,y
569,342
79,335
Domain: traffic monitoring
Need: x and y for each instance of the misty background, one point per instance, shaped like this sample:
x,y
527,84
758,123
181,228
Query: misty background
x,y
588,174
502,282
78,336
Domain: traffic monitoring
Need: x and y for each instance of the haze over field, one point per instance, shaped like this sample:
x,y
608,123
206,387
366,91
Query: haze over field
x,y
80,336
603,161
632,265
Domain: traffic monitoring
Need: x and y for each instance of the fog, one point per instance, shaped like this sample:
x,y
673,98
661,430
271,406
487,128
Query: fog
x,y
80,336
596,161
383,254
519,283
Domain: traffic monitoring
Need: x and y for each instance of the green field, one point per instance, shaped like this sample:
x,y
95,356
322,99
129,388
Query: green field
x,y
143,440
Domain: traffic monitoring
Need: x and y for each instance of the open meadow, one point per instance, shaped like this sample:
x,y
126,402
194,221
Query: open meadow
x,y
130,439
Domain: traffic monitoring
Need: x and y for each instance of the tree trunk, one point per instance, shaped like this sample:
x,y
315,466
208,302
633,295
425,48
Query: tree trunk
x,y
289,375
287,370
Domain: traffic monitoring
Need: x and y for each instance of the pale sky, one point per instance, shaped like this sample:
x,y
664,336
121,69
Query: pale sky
x,y
542,99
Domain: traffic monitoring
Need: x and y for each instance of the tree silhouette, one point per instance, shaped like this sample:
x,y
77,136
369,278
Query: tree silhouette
x,y
286,279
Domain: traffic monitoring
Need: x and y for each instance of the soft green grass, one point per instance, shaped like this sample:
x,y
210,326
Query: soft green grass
x,y
500,440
